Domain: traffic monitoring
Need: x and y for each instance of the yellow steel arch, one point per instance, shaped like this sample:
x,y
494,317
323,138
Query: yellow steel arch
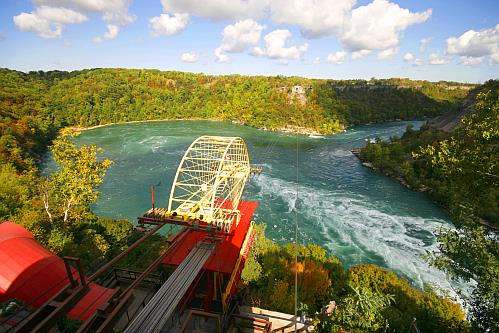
x,y
210,180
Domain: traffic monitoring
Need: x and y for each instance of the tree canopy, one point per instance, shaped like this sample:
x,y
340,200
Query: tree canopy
x,y
77,177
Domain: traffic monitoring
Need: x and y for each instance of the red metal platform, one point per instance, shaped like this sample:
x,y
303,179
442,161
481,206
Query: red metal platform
x,y
225,255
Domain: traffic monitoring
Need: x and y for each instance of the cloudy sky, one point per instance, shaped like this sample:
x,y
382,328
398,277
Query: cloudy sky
x,y
426,39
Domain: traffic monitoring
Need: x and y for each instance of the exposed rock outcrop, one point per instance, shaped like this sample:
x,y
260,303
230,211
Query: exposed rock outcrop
x,y
450,121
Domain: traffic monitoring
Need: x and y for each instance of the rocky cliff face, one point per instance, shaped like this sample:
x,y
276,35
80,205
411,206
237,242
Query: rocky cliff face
x,y
450,121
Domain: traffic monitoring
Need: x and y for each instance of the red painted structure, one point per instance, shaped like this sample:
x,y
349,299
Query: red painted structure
x,y
226,254
31,273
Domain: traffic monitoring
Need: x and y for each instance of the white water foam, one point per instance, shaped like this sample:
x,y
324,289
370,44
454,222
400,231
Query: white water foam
x,y
328,154
266,166
155,142
357,229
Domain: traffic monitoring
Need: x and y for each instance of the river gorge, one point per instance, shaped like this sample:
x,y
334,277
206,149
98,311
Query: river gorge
x,y
358,215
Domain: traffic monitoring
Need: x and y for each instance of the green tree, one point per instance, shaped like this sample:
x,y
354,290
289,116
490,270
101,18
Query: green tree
x,y
362,309
252,269
470,158
79,174
14,191
471,253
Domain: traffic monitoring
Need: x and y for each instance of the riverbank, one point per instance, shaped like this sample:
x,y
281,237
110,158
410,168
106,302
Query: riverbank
x,y
422,188
401,180
289,129
82,129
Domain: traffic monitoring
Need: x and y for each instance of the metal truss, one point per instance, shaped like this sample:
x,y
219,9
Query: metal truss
x,y
210,180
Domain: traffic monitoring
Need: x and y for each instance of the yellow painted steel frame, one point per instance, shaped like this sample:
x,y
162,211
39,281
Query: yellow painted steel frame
x,y
226,293
210,180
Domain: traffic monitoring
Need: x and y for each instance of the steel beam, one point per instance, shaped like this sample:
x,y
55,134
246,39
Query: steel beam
x,y
106,317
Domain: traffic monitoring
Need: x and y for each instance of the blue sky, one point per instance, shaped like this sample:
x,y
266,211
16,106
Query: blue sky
x,y
335,39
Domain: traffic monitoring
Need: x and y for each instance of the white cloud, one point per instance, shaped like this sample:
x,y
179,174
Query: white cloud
x,y
167,25
115,14
475,44
275,49
48,22
120,19
60,15
378,25
221,57
360,54
388,53
189,57
50,16
435,59
337,58
111,33
418,62
315,18
423,43
34,23
408,57
109,6
176,14
375,26
470,61
317,60
236,37
218,9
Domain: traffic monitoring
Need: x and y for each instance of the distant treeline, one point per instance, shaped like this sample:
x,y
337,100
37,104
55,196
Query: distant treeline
x,y
34,105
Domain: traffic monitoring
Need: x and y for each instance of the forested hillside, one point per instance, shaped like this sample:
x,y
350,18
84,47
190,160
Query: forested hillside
x,y
101,96
360,102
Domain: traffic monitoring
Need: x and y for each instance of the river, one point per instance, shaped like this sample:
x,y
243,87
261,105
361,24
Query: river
x,y
359,215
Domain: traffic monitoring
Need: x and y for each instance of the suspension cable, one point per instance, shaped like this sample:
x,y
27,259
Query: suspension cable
x,y
296,237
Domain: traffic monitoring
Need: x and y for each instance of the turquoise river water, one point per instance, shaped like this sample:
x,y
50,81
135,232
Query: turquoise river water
x,y
359,215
